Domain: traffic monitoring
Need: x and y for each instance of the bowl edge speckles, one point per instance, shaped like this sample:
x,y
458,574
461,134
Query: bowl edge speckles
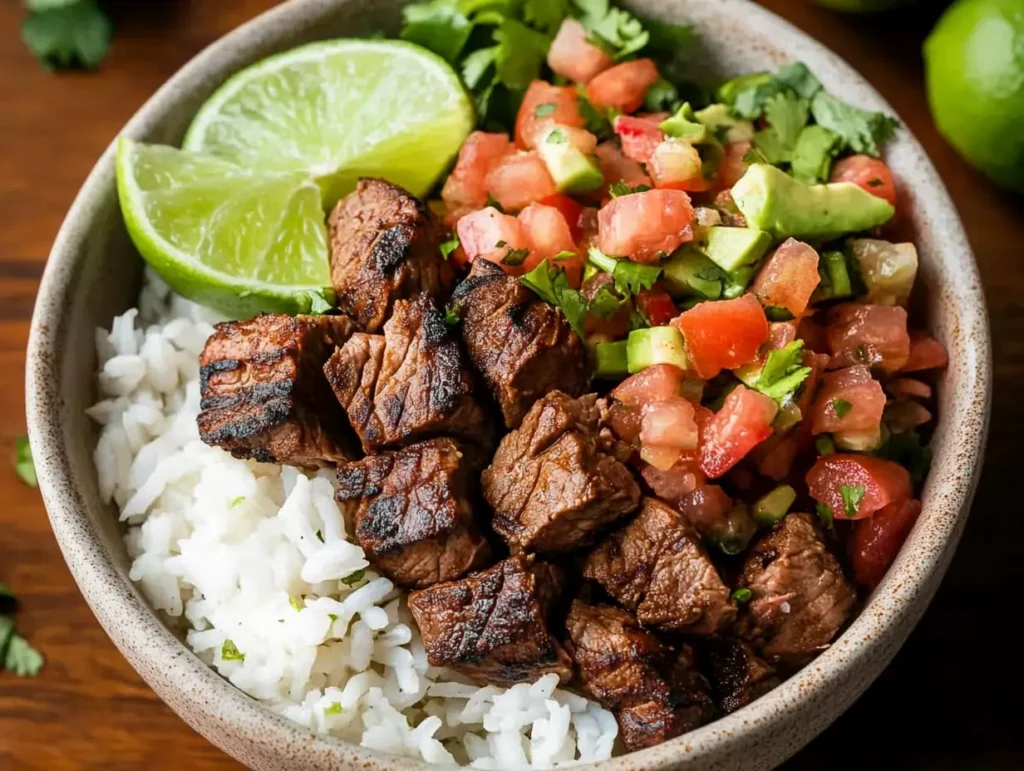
x,y
93,274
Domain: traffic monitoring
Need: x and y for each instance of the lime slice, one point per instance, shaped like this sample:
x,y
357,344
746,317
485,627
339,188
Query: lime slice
x,y
232,238
338,110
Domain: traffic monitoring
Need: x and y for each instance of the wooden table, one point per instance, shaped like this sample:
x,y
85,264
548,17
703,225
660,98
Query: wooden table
x,y
947,700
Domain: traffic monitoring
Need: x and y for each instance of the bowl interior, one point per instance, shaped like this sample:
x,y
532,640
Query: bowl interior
x,y
94,273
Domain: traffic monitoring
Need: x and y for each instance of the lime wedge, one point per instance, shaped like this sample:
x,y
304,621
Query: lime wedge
x,y
338,110
232,238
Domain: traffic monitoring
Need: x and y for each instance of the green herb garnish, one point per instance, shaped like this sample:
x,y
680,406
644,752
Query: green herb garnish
x,y
229,652
825,515
449,246
852,496
783,372
333,709
24,466
551,284
842,407
742,595
515,257
354,578
67,33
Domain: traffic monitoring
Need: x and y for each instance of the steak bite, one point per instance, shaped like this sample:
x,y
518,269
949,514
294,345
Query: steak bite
x,y
411,512
385,246
410,384
799,595
492,626
523,346
657,568
264,395
655,692
553,484
738,675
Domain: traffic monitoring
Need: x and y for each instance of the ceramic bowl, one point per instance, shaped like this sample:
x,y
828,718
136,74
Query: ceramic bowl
x,y
93,273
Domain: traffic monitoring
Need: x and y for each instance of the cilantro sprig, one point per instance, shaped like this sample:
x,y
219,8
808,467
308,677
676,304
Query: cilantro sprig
x,y
551,284
783,372
630,277
66,33
17,656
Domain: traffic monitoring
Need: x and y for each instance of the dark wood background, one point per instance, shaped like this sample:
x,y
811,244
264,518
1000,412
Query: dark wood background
x,y
948,701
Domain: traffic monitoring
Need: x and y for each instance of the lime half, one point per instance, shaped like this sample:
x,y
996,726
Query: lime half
x,y
338,110
240,240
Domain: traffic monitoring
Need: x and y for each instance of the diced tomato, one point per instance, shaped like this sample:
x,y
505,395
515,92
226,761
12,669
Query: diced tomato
x,y
548,235
677,482
616,167
849,400
624,86
875,335
670,423
723,334
908,388
677,165
645,226
925,353
480,154
813,335
744,421
875,481
572,57
654,384
877,540
657,306
732,166
639,136
519,180
706,508
570,209
560,104
789,277
482,231
868,173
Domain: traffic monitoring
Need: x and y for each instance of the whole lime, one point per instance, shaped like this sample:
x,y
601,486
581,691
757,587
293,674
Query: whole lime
x,y
974,62
862,6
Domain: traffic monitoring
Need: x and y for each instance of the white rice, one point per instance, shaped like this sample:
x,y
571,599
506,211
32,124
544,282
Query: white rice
x,y
252,562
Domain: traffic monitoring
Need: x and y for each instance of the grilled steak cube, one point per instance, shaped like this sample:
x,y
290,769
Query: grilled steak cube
x,y
799,595
657,568
738,675
264,395
655,692
410,384
493,626
411,512
553,484
385,246
523,346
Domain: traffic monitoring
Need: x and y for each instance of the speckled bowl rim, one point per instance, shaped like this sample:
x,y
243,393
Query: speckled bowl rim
x,y
758,736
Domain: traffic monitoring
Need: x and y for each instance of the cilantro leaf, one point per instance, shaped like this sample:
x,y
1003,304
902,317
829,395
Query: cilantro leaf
x,y
630,277
229,652
864,131
21,658
24,466
742,595
812,156
597,121
354,578
783,372
825,515
521,53
663,96
438,25
545,15
478,65
770,147
799,79
620,188
565,254
619,33
334,708
638,319
842,407
852,496
787,115
449,246
605,303
515,257
907,450
68,35
552,285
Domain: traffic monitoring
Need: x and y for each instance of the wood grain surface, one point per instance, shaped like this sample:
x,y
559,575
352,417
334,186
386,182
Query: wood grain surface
x,y
948,701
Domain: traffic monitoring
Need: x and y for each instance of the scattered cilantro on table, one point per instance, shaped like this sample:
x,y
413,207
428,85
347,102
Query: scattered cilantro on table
x,y
66,33
24,466
16,654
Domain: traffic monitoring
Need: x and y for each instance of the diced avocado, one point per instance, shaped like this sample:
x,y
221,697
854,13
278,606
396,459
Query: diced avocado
x,y
690,272
655,345
610,360
888,270
684,125
738,281
733,248
573,172
718,118
772,200
772,507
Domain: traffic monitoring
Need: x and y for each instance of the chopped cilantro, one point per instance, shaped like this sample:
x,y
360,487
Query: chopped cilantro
x,y
605,303
775,313
825,445
295,602
742,595
229,652
863,131
852,496
544,109
334,708
21,659
842,407
630,277
565,254
478,65
500,245
663,96
615,31
783,372
354,578
514,257
23,463
453,312
320,536
236,501
333,617
597,120
551,283
557,137
825,515
620,188
449,246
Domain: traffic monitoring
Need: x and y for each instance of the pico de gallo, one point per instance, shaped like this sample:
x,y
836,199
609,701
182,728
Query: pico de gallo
x,y
730,268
